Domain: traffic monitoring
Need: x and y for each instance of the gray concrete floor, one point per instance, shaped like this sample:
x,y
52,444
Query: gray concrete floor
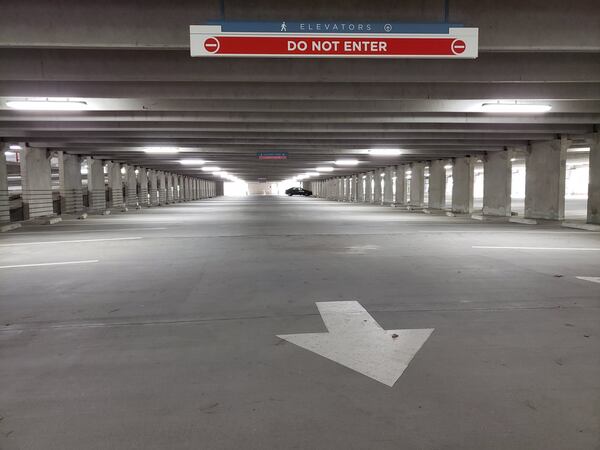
x,y
168,342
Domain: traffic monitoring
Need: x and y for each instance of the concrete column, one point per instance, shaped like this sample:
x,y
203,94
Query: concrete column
x,y
400,184
180,188
36,183
417,184
131,186
4,199
437,184
388,187
377,194
153,179
348,187
497,183
545,171
143,181
354,188
167,186
593,205
95,185
202,188
369,188
462,185
340,189
71,186
115,184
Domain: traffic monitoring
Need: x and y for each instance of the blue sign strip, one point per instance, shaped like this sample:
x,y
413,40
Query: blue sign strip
x,y
334,27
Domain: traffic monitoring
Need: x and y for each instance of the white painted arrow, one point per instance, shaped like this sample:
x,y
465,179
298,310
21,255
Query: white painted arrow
x,y
357,341
592,279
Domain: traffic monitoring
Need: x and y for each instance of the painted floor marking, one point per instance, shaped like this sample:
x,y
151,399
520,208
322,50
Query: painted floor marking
x,y
96,230
573,249
355,340
72,241
62,263
592,279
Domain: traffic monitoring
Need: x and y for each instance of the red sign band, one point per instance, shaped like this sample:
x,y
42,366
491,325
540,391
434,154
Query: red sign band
x,y
368,46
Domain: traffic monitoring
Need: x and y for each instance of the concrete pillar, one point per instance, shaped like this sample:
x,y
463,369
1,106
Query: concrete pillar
x,y
36,182
462,185
166,188
188,188
497,183
115,185
369,188
143,182
4,199
593,205
417,184
153,191
354,188
131,186
340,189
437,184
388,187
71,186
179,186
95,185
400,185
377,193
348,189
202,188
545,171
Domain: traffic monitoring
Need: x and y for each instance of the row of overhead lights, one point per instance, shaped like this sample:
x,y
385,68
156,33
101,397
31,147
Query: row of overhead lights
x,y
347,162
214,170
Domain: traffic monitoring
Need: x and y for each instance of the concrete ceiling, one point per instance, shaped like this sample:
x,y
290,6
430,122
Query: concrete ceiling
x,y
130,61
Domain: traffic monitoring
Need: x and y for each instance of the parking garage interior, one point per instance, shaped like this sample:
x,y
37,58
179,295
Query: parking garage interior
x,y
437,288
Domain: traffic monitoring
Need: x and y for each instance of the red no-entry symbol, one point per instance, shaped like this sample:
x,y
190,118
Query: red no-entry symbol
x,y
211,45
458,46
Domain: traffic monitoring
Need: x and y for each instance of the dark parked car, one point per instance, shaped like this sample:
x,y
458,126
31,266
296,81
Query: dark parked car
x,y
298,191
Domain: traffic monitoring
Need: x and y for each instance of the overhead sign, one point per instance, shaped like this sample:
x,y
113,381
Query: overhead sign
x,y
272,155
355,340
333,40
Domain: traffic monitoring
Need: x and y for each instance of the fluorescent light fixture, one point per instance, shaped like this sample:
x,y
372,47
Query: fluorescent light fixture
x,y
159,150
408,172
14,147
448,166
324,169
211,168
9,153
192,162
385,152
579,150
513,159
514,107
48,104
347,162
311,174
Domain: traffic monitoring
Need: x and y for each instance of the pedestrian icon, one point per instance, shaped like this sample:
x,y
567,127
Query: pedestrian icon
x,y
283,26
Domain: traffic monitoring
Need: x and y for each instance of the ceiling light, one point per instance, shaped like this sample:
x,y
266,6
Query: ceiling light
x,y
158,150
9,153
448,166
15,147
48,104
211,168
579,150
192,162
384,151
513,159
324,169
519,108
347,162
408,172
